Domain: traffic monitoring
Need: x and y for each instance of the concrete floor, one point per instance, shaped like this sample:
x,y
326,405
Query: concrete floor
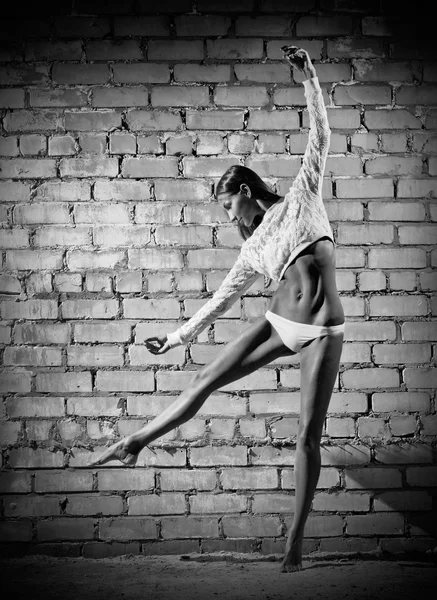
x,y
205,577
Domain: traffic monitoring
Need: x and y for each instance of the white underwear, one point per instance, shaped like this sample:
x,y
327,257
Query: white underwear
x,y
296,335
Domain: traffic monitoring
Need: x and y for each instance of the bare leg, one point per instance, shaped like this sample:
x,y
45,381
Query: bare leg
x,y
319,367
254,348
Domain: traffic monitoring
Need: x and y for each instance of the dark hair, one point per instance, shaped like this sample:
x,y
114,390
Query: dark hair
x,y
230,183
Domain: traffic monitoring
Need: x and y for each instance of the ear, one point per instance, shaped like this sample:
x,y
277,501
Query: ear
x,y
245,189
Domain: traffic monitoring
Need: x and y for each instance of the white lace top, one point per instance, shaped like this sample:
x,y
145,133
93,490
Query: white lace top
x,y
287,227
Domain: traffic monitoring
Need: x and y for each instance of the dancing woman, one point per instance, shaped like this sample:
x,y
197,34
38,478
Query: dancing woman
x,y
288,239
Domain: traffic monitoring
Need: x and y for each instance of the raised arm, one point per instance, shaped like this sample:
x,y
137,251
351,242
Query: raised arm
x,y
310,176
237,281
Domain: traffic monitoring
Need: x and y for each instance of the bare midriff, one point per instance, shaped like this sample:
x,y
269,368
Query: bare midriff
x,y
307,292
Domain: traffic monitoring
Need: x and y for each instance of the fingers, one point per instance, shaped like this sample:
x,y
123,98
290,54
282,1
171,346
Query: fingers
x,y
157,345
298,57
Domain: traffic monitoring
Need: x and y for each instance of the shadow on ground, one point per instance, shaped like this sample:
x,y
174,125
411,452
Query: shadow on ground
x,y
170,578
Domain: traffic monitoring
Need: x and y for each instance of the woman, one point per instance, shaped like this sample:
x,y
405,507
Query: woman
x,y
288,239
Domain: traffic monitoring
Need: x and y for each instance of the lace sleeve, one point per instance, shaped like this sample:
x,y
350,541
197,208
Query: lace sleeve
x,y
237,281
310,176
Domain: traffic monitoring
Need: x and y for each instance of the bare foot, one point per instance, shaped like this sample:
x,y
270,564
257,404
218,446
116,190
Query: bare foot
x,y
125,451
293,557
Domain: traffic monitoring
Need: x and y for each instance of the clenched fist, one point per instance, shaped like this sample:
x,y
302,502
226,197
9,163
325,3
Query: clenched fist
x,y
299,59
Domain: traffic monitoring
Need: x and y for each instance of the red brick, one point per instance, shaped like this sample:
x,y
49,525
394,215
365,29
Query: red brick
x,y
31,506
16,531
416,331
89,27
372,478
127,528
189,527
12,98
402,353
267,120
406,453
92,121
210,25
398,306
378,378
30,168
399,211
366,70
279,73
150,167
362,94
102,550
266,25
365,188
235,49
375,524
420,378
15,382
324,26
65,529
341,502
180,96
89,167
133,381
63,481
423,94
175,50
421,476
417,188
397,258
202,73
241,96
45,51
249,526
215,119
391,119
80,73
380,26
22,74
141,26
365,234
154,259
403,501
218,503
349,47
391,165
109,50
402,426
218,455
39,458
80,504
139,120
400,401
417,234
224,5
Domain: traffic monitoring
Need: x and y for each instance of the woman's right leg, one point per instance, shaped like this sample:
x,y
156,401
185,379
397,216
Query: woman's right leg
x,y
319,364
254,348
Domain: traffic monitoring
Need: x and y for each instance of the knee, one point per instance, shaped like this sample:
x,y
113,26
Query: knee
x,y
308,438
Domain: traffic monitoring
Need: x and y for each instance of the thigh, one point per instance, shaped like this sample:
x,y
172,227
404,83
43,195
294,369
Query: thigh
x,y
319,364
254,348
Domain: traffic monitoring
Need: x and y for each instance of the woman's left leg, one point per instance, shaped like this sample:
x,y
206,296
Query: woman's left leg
x,y
257,346
319,363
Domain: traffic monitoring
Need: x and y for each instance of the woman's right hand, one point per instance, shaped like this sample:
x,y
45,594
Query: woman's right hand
x,y
299,59
157,345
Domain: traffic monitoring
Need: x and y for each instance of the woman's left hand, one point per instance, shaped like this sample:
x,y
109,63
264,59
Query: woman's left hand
x,y
157,345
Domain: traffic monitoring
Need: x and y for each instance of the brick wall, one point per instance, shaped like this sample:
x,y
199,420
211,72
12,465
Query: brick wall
x,y
116,121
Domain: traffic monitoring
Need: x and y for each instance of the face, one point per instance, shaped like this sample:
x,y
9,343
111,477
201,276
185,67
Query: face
x,y
241,208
